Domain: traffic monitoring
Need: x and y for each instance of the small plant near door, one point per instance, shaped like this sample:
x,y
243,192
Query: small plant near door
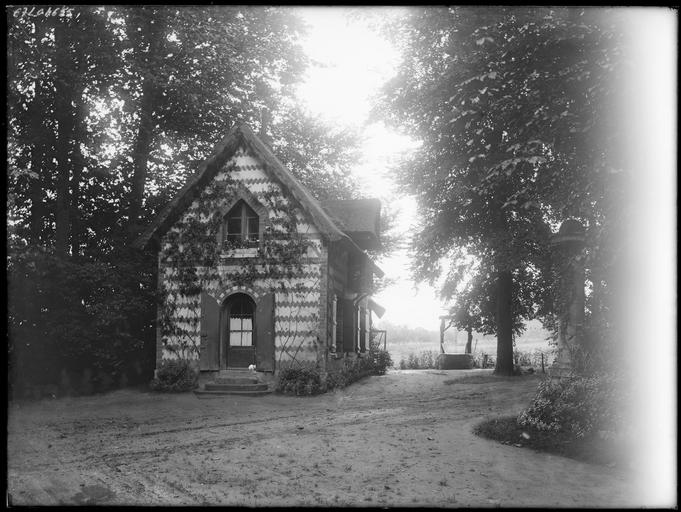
x,y
175,376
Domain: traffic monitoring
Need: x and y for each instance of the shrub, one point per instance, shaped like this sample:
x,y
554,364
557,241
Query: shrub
x,y
354,369
577,405
304,379
483,360
175,376
378,360
337,379
299,381
522,358
412,361
74,315
533,358
426,359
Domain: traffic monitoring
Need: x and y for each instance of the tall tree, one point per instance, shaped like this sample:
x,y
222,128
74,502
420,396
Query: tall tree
x,y
59,63
511,105
146,32
147,92
195,71
107,116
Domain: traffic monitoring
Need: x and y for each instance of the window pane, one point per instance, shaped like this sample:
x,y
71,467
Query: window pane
x,y
234,226
240,325
235,323
252,228
247,324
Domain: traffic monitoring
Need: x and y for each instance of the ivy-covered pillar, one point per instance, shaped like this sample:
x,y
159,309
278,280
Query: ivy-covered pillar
x,y
568,246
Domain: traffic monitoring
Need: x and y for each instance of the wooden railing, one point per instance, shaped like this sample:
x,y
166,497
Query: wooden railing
x,y
379,336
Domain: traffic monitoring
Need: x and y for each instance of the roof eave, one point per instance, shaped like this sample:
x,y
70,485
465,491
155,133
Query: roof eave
x,y
223,150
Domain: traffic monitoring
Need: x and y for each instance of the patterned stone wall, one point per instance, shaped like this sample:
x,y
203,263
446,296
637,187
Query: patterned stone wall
x,y
190,255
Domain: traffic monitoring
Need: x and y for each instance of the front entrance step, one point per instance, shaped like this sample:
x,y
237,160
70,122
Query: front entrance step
x,y
234,381
220,386
202,393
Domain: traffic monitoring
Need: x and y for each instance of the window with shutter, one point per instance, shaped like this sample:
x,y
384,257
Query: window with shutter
x,y
362,329
334,323
264,319
210,336
349,326
339,326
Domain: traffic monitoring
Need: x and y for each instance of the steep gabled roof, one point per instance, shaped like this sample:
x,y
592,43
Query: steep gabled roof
x,y
238,136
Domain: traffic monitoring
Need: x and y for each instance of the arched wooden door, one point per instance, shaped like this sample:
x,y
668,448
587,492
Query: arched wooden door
x,y
238,332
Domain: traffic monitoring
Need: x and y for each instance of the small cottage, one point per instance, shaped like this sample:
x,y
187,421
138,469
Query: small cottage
x,y
252,270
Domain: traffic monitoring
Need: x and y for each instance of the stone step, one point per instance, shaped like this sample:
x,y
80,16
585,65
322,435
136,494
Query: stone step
x,y
202,393
220,386
235,371
236,381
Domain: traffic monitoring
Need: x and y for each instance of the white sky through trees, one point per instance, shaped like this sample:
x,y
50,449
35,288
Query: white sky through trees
x,y
350,63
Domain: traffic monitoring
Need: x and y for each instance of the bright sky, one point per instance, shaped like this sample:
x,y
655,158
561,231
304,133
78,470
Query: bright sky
x,y
352,63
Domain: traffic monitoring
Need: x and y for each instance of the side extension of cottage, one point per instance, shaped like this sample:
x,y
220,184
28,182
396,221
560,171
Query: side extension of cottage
x,y
253,270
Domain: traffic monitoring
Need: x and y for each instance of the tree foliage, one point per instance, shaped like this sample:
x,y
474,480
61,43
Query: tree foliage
x,y
110,109
514,108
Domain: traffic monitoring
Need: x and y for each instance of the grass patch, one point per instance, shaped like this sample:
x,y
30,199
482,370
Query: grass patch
x,y
590,449
487,378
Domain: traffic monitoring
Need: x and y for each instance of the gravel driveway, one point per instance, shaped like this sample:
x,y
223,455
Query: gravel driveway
x,y
403,439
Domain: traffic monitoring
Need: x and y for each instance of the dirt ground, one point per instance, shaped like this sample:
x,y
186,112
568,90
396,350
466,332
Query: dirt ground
x,y
403,439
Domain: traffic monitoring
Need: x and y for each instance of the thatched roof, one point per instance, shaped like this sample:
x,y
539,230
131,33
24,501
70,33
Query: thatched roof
x,y
240,135
359,218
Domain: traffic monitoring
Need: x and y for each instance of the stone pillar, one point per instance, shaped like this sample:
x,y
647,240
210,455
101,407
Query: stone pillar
x,y
568,244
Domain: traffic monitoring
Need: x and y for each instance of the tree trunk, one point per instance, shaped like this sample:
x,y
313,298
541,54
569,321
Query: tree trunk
x,y
145,132
64,115
504,364
140,157
78,164
469,341
74,213
504,291
38,161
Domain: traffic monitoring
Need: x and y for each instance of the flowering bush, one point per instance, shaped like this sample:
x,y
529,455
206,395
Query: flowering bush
x,y
577,405
175,376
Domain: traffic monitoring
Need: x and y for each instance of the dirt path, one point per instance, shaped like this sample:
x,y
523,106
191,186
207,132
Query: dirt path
x,y
400,439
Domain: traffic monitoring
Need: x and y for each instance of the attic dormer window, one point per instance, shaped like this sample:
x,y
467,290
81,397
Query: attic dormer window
x,y
241,226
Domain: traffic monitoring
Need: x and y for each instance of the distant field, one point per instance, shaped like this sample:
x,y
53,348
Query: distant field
x,y
403,341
